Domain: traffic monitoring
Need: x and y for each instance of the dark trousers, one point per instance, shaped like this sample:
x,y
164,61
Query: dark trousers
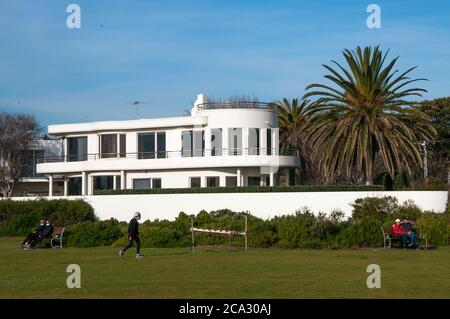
x,y
30,237
130,244
37,240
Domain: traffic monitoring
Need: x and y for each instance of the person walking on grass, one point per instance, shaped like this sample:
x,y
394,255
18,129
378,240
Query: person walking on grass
x,y
133,235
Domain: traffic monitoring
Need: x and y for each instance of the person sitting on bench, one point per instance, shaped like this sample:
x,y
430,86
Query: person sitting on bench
x,y
34,234
397,230
409,233
46,233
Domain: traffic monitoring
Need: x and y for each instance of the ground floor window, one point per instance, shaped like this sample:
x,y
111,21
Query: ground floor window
x,y
74,186
254,181
146,183
231,181
213,181
194,182
103,182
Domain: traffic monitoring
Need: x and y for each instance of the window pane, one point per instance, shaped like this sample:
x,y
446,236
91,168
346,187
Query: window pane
x,y
254,181
195,182
103,182
74,186
77,148
156,182
141,183
213,181
118,182
231,181
199,143
146,145
108,145
216,142
161,142
235,141
186,138
253,141
269,141
123,145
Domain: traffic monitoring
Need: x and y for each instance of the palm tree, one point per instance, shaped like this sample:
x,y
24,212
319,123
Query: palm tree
x,y
366,113
292,120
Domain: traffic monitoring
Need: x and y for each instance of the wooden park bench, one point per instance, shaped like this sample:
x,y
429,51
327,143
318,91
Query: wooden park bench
x,y
389,238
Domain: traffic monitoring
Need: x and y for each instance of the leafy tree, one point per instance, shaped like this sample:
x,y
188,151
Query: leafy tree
x,y
367,112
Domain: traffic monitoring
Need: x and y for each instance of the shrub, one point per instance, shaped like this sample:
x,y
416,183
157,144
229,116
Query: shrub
x,y
19,217
435,184
376,208
93,233
435,227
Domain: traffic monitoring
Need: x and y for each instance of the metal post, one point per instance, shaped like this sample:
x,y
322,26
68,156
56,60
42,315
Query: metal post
x,y
246,241
192,235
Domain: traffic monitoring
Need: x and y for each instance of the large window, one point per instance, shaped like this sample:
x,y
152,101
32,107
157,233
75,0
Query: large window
x,y
161,144
212,181
216,142
108,145
31,158
235,141
230,181
75,185
146,145
77,148
269,141
151,145
123,145
253,141
103,182
146,183
254,181
194,182
193,143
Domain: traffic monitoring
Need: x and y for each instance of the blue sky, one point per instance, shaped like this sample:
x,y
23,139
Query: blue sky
x,y
166,52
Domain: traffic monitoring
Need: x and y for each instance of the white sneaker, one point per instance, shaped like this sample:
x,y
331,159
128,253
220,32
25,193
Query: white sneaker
x,y
139,256
121,253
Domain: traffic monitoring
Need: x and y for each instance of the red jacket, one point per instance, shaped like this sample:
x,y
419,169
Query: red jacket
x,y
397,230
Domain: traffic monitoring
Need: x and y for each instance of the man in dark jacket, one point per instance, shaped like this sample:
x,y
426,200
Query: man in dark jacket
x,y
34,234
46,233
133,234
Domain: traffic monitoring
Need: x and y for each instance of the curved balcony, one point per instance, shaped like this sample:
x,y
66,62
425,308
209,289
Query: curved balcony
x,y
197,159
233,105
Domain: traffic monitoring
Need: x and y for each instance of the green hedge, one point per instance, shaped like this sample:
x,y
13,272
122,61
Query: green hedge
x,y
93,233
246,189
19,217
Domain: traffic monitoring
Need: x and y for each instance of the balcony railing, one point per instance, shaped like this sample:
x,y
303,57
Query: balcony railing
x,y
170,154
233,105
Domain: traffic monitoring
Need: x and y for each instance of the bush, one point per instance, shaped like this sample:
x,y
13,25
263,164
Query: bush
x,y
17,218
435,184
93,233
246,189
435,227
376,208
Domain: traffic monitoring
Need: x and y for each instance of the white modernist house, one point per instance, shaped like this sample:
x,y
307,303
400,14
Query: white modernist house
x,y
219,144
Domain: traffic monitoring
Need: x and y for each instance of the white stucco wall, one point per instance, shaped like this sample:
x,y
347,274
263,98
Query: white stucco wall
x,y
263,205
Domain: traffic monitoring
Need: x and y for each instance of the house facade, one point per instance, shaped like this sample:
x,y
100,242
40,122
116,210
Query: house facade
x,y
218,145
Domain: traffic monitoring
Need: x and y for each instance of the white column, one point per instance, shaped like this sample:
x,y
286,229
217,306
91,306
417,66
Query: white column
x,y
66,186
123,182
263,141
272,179
245,133
83,183
225,141
114,182
238,175
275,141
65,150
50,185
207,142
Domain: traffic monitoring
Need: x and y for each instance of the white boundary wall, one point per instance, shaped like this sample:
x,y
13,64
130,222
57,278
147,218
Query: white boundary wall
x,y
263,205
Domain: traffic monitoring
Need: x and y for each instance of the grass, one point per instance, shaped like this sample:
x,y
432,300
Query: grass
x,y
220,273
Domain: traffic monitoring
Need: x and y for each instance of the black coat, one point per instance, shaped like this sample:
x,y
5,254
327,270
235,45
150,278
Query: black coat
x,y
48,231
133,228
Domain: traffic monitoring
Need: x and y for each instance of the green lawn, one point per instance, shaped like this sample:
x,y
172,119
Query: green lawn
x,y
219,273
